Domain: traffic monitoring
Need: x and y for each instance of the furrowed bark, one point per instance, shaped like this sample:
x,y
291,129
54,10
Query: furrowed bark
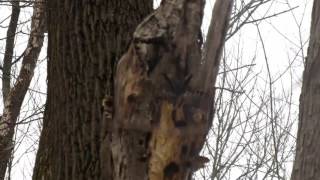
x,y
306,165
14,99
160,105
85,39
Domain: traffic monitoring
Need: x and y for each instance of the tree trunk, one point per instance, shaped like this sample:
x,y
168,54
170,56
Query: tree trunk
x,y
85,40
164,96
8,54
307,160
6,80
162,112
13,97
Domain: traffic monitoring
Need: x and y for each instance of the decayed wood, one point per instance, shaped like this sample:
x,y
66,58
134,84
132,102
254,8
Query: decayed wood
x,y
306,165
15,96
158,94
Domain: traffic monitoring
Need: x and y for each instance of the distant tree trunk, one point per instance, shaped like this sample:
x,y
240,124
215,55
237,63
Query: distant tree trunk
x,y
13,97
6,80
8,54
307,160
155,123
85,40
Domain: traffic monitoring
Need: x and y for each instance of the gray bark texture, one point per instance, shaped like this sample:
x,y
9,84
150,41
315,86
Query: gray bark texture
x,y
307,160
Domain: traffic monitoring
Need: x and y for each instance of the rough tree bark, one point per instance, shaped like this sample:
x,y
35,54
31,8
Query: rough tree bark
x,y
85,40
13,97
307,160
155,124
164,93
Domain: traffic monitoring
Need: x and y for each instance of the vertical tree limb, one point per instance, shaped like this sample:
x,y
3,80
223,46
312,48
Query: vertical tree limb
x,y
8,54
214,43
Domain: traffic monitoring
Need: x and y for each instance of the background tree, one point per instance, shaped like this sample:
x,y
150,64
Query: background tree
x,y
253,130
306,165
14,96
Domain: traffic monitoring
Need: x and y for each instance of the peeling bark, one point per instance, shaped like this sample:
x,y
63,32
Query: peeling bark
x,y
306,165
161,105
14,99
